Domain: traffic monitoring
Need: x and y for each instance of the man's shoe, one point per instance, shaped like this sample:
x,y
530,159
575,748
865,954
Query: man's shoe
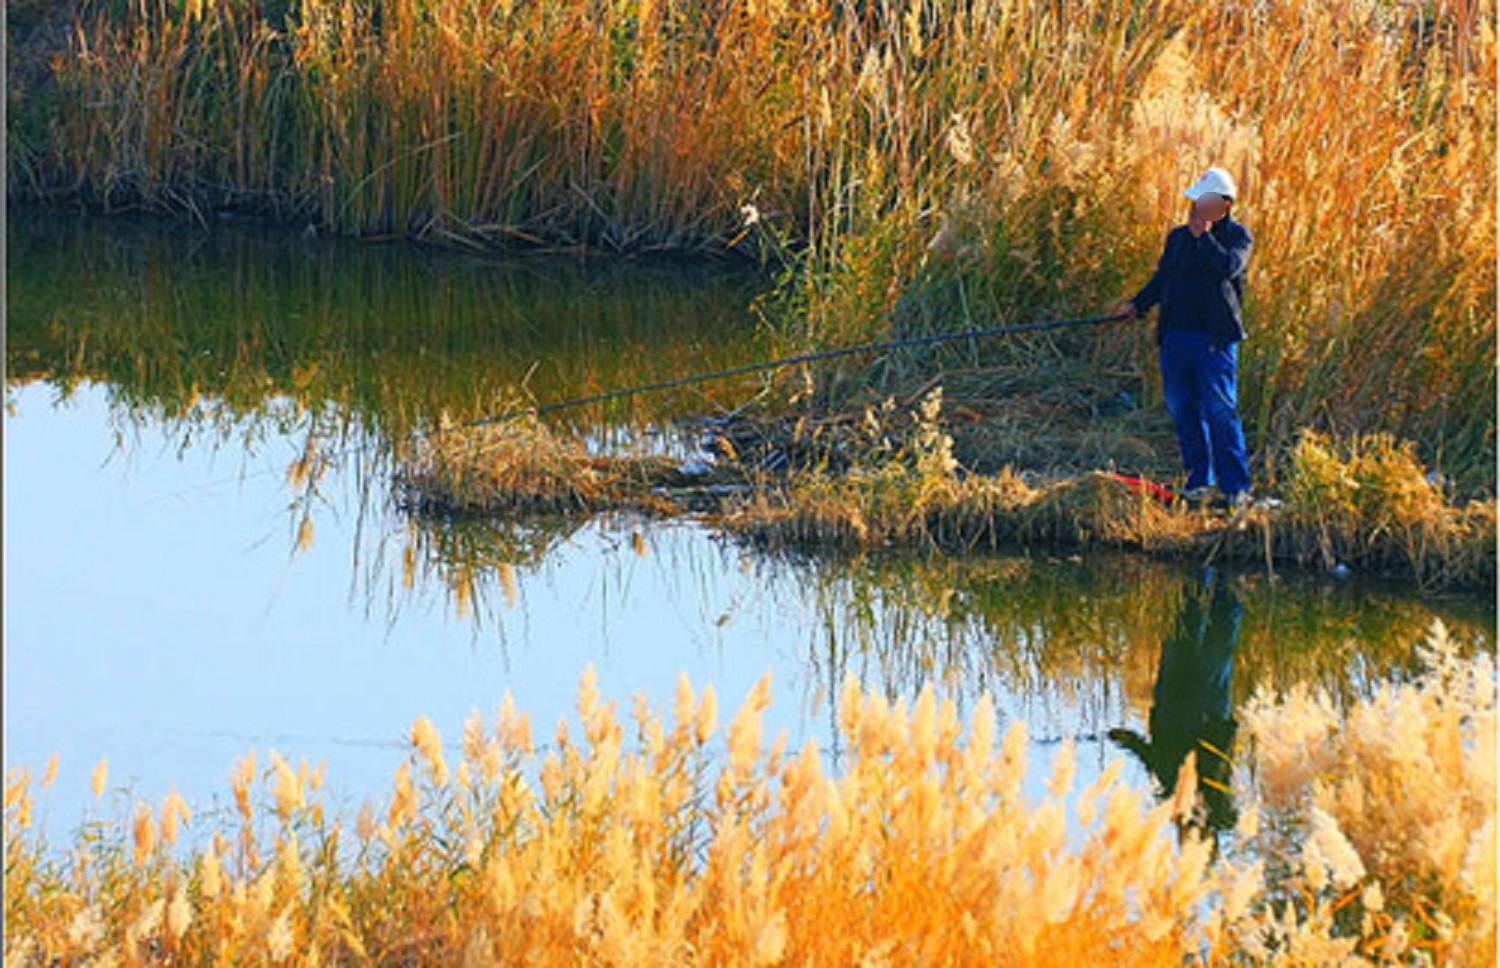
x,y
1198,495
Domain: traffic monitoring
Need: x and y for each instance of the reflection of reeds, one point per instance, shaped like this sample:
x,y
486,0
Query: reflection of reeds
x,y
671,849
1085,630
1081,630
222,327
954,163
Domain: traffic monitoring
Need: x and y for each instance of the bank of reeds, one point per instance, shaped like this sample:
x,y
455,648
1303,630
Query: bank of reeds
x,y
1368,505
924,165
653,841
1361,790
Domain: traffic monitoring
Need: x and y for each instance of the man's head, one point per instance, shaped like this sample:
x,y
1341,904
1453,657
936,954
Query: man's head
x,y
1212,194
1211,206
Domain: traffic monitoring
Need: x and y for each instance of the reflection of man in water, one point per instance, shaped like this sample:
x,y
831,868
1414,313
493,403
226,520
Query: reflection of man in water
x,y
1190,707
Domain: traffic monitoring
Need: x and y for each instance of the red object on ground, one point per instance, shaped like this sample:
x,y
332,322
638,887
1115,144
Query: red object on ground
x,y
1139,485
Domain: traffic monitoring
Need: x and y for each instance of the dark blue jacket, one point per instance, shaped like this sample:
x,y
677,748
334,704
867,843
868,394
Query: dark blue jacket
x,y
1200,282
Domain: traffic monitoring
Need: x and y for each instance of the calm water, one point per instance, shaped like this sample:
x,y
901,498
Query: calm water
x,y
159,611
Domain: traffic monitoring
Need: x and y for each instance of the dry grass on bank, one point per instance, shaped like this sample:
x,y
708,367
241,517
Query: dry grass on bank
x,y
1437,543
1370,503
522,465
1367,504
1368,836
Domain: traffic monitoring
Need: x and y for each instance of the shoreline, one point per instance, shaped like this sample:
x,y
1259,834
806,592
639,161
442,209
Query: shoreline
x,y
925,502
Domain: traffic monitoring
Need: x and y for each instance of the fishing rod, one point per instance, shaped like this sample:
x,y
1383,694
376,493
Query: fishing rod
x,y
814,356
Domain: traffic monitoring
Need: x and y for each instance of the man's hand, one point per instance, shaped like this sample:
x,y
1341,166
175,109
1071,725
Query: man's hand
x,y
1197,224
1124,309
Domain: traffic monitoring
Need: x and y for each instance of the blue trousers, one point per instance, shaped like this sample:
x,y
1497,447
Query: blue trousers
x,y
1200,382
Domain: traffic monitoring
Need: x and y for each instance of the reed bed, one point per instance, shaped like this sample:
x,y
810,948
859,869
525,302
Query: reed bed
x,y
521,465
685,845
1449,545
911,166
1367,505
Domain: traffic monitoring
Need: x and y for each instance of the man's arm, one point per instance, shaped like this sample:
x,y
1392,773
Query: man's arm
x,y
1224,261
1151,291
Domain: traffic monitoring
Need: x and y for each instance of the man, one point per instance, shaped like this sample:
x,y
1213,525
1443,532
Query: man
x,y
1199,285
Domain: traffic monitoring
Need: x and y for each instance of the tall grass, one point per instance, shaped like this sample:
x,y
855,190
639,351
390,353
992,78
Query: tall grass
x,y
1407,780
921,165
653,841
569,123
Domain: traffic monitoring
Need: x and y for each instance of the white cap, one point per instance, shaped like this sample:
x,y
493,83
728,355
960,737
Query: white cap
x,y
1214,180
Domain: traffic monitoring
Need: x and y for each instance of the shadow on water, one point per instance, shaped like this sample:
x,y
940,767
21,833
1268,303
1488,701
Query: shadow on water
x,y
1192,710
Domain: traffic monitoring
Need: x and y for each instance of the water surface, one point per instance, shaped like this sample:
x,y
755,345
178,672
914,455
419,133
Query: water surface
x,y
162,612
